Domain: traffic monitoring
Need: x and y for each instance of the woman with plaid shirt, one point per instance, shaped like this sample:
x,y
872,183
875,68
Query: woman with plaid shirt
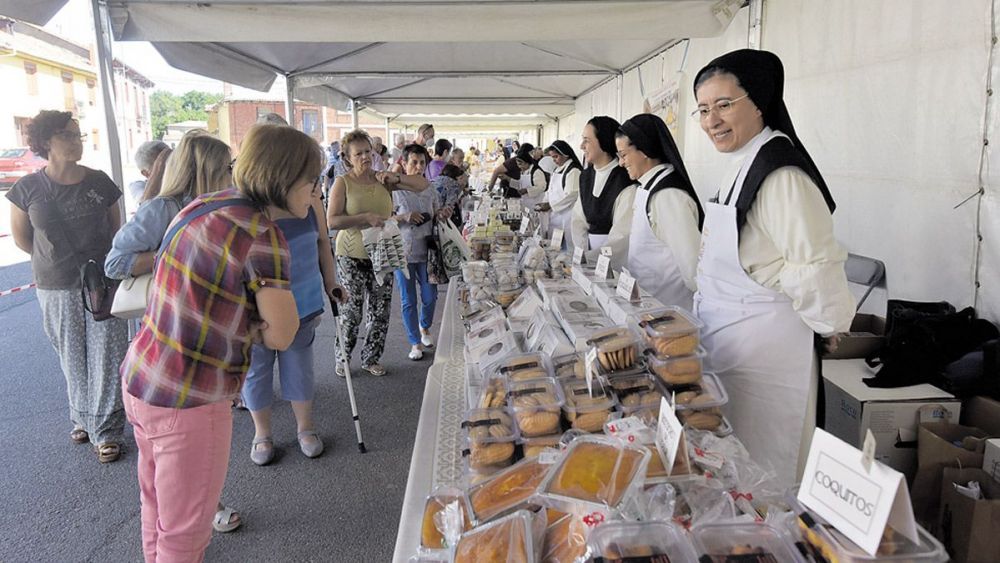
x,y
221,283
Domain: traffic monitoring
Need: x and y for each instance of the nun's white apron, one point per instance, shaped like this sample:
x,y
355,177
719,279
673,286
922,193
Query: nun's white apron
x,y
650,260
558,219
756,342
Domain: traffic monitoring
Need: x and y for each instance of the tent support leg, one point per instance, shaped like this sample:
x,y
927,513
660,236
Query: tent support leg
x,y
107,77
354,114
290,100
756,31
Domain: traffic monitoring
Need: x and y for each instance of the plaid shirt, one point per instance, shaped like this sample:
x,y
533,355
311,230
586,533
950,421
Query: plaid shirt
x,y
194,345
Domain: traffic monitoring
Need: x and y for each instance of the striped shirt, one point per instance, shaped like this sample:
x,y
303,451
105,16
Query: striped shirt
x,y
194,345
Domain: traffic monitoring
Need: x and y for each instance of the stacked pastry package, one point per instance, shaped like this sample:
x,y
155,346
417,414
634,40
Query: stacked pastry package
x,y
384,246
675,357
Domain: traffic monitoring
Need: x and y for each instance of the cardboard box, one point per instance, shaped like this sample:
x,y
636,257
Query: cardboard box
x,y
893,415
983,413
991,458
867,336
969,527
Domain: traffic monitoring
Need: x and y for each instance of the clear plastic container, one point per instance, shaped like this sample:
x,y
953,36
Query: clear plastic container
x,y
621,309
490,436
617,350
569,366
478,341
746,543
526,304
834,545
493,393
432,537
532,446
487,316
579,306
506,491
587,409
641,541
670,331
596,473
579,331
539,320
706,394
505,297
515,537
552,341
497,351
475,271
536,406
677,370
565,538
525,367
637,394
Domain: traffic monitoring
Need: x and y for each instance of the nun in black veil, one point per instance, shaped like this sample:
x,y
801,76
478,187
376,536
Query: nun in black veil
x,y
771,273
666,214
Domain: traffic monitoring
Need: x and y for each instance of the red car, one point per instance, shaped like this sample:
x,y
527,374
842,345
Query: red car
x,y
15,163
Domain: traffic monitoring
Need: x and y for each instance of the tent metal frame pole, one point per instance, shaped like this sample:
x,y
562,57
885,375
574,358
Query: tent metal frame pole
x,y
456,73
755,33
354,114
388,134
107,76
290,99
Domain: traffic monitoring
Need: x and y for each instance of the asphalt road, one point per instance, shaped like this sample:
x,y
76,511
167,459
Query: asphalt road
x,y
59,504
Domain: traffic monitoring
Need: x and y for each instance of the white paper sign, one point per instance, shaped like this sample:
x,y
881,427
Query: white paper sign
x,y
606,251
525,223
858,503
588,363
626,288
578,256
629,429
557,238
868,450
669,432
603,268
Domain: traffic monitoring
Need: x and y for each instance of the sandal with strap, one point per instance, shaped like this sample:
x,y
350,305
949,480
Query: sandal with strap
x,y
375,369
108,452
310,449
226,520
79,436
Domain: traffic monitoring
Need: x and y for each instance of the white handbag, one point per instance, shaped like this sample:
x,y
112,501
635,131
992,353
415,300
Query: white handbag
x,y
131,297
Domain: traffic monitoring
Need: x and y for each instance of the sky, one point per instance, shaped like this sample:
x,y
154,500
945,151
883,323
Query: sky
x,y
140,55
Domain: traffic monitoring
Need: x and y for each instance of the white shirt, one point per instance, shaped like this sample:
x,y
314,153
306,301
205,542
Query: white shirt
x,y
787,244
572,192
538,184
673,217
621,222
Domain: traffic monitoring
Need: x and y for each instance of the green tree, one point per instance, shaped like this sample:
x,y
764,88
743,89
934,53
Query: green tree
x,y
166,108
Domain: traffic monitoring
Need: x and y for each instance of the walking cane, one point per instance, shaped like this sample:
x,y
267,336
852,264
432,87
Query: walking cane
x,y
347,371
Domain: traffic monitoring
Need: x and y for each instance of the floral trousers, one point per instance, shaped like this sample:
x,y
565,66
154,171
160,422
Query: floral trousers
x,y
358,278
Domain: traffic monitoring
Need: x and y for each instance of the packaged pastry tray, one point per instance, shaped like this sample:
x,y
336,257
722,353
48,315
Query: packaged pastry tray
x,y
476,341
490,436
432,539
588,409
525,305
536,405
524,367
569,366
552,341
539,320
616,350
636,394
834,545
531,446
641,541
505,491
670,331
569,308
488,315
743,543
517,537
497,351
596,473
677,370
705,394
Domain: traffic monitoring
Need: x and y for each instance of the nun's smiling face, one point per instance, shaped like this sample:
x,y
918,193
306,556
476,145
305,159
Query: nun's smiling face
x,y
728,115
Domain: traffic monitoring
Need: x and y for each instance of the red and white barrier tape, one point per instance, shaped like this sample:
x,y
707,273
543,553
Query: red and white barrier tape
x,y
16,289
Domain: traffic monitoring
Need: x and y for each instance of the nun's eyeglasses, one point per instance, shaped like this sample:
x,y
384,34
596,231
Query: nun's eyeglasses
x,y
721,107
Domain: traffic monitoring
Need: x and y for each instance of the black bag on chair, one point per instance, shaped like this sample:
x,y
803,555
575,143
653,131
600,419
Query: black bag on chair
x,y
922,339
97,290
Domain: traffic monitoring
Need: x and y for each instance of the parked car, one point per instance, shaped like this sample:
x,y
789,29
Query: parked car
x,y
15,163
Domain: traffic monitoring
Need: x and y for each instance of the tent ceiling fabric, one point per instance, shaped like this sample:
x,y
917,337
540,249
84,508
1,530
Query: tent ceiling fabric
x,y
438,56
37,12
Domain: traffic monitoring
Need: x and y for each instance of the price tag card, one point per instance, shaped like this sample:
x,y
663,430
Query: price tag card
x,y
669,432
588,363
578,257
603,271
557,238
627,288
525,224
629,429
859,503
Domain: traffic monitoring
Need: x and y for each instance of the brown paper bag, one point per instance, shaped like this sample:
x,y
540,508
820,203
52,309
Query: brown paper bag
x,y
970,528
937,449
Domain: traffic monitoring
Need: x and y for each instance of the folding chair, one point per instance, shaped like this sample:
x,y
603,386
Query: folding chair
x,y
867,272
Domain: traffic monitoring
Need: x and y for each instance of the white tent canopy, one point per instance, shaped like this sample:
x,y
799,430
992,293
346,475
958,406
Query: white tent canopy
x,y
413,56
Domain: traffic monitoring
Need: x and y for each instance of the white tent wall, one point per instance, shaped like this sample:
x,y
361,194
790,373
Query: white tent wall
x,y
888,97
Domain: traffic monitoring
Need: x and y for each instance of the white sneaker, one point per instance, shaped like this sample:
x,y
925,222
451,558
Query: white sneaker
x,y
426,339
416,353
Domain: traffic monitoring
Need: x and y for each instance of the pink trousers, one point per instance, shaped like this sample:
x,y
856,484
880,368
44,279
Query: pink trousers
x,y
183,459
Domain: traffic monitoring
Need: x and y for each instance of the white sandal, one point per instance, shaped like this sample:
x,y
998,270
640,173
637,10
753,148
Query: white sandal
x,y
224,521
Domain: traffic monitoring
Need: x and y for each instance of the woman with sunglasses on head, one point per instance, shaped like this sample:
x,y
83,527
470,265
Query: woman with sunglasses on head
x,y
63,216
771,273
360,199
314,277
221,283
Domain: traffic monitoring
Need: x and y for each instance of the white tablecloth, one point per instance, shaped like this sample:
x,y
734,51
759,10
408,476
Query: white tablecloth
x,y
437,449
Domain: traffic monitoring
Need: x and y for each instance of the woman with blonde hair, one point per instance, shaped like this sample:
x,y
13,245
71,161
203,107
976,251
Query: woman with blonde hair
x,y
199,165
361,199
221,283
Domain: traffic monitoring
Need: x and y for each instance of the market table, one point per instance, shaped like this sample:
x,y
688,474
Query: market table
x,y
437,449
